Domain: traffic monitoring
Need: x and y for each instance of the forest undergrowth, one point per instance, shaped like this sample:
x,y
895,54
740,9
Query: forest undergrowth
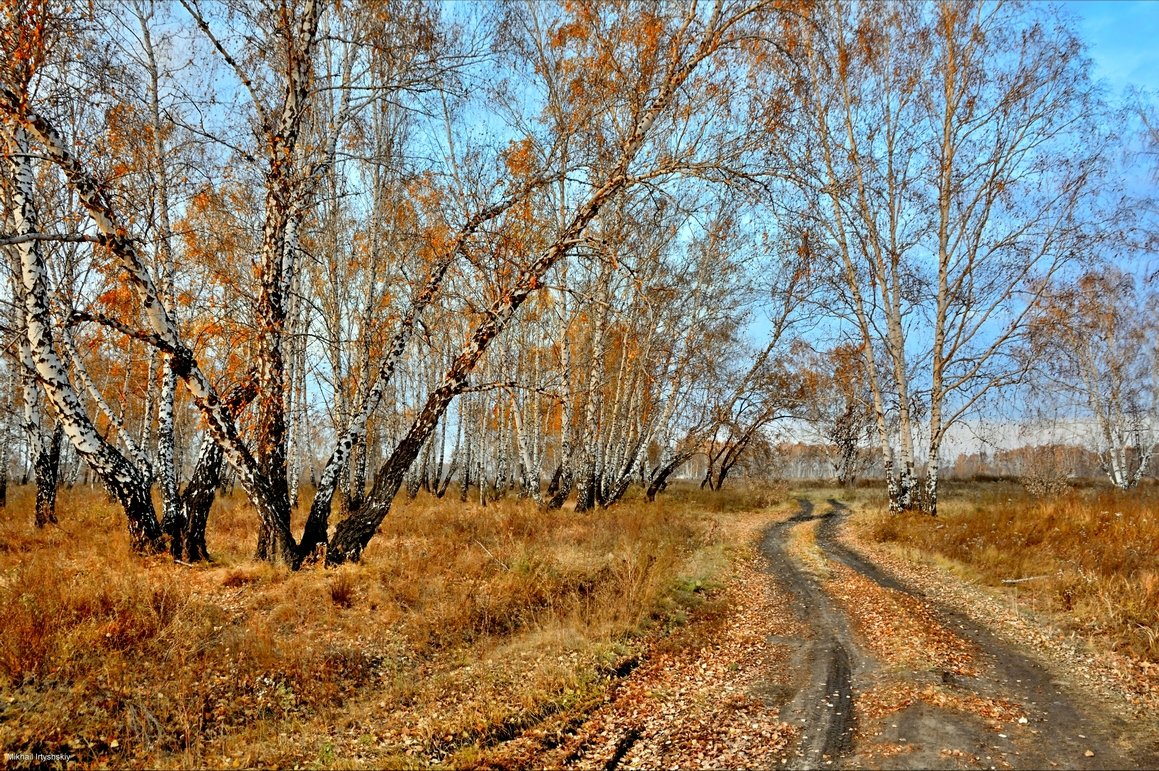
x,y
461,624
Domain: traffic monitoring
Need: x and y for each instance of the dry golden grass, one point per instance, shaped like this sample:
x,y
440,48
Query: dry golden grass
x,y
1092,554
460,625
801,544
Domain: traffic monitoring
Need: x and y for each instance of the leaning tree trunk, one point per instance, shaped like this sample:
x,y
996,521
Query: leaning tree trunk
x,y
659,476
122,478
317,522
355,532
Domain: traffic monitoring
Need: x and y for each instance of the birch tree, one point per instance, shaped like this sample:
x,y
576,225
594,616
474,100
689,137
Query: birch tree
x,y
957,148
41,434
1093,341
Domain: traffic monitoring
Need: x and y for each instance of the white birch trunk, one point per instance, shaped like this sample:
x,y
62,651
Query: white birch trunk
x,y
121,477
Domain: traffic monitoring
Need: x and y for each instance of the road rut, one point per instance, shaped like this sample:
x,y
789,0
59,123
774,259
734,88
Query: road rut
x,y
823,704
835,666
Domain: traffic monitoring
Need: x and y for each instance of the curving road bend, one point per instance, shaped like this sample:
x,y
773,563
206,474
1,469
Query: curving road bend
x,y
833,666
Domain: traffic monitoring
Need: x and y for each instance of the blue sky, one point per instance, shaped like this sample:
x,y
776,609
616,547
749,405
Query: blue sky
x,y
1124,41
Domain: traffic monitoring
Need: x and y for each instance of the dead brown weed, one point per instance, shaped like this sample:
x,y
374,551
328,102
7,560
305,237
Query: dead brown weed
x,y
462,625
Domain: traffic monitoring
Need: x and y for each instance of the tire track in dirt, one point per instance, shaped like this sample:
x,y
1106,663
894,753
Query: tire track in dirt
x,y
826,662
1059,732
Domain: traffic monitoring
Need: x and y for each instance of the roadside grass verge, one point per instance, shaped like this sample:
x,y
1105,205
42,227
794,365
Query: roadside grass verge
x,y
461,626
1091,555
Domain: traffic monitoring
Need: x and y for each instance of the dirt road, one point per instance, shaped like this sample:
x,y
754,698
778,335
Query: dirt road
x,y
825,660
889,679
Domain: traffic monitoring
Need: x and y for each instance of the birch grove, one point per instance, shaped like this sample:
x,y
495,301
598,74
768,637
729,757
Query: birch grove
x,y
342,275
958,158
337,252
